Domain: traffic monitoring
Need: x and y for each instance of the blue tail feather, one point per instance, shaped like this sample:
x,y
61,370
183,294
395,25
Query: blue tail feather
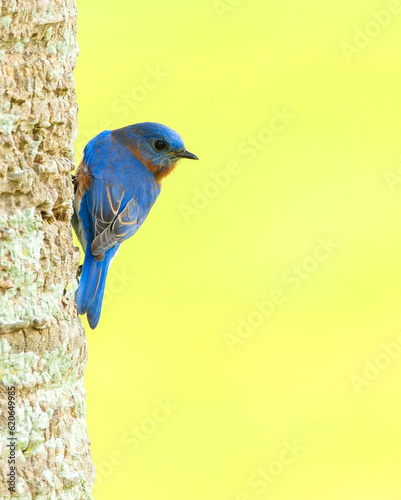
x,y
93,314
88,282
89,295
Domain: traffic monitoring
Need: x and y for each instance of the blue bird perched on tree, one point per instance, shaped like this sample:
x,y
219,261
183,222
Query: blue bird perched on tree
x,y
116,185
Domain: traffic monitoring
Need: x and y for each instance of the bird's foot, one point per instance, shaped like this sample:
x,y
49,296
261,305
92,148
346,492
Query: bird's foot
x,y
79,272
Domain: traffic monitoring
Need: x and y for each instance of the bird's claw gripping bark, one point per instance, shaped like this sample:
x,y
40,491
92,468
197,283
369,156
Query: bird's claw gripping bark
x,y
79,272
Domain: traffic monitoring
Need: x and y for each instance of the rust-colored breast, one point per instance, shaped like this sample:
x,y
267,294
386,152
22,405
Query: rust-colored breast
x,y
82,179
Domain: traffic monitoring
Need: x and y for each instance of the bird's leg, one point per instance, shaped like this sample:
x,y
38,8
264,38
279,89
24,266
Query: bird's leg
x,y
79,272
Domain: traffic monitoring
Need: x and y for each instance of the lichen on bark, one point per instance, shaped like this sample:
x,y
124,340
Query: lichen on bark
x,y
43,349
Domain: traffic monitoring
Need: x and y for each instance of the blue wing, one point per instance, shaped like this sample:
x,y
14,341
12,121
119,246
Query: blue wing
x,y
127,222
122,193
103,203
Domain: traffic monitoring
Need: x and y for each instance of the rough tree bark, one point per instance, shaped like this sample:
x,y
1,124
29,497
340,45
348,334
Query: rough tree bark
x,y
43,348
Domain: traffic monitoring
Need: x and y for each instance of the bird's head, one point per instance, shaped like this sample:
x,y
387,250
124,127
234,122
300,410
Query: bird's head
x,y
159,146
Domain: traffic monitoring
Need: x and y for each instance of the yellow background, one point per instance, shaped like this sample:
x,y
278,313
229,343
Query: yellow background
x,y
178,286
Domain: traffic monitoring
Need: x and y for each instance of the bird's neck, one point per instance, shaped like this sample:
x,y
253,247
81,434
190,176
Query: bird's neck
x,y
159,173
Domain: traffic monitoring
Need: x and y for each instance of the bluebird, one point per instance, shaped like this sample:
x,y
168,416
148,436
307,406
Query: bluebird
x,y
116,185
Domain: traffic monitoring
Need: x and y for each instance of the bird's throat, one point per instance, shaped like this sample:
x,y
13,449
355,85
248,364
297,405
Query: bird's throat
x,y
159,173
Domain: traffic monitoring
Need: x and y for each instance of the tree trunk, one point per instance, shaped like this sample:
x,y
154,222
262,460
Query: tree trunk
x,y
43,348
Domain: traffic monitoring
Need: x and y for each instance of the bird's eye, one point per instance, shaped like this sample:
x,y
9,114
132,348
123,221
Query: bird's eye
x,y
159,145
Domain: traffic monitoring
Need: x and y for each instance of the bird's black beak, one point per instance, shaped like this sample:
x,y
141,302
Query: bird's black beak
x,y
186,154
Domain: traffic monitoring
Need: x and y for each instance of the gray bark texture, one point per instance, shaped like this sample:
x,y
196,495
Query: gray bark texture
x,y
43,349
